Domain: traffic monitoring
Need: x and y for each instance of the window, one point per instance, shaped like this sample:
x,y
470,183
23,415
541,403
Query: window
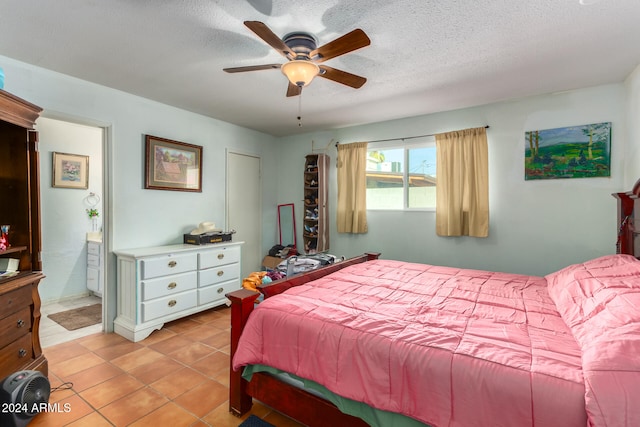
x,y
401,177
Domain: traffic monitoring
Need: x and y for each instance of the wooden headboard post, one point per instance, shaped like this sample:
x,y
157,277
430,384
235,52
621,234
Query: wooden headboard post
x,y
628,215
242,304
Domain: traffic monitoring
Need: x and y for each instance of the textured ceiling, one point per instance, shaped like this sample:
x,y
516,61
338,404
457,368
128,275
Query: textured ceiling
x,y
425,56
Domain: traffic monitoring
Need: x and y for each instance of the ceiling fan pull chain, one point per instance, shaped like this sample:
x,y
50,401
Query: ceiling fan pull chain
x,y
300,110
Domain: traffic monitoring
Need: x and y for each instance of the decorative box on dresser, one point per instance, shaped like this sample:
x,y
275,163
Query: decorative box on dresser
x,y
164,283
20,210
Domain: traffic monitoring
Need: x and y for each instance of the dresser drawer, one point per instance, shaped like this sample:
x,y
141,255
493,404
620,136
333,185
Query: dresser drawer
x,y
166,306
15,301
217,257
168,285
15,325
168,264
93,260
216,292
216,275
17,354
93,248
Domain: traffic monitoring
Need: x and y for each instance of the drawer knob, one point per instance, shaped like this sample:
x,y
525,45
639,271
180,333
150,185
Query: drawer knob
x,y
20,323
220,290
220,273
172,303
172,264
220,256
172,285
22,352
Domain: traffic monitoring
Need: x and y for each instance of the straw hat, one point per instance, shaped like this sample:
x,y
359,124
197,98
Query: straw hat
x,y
206,227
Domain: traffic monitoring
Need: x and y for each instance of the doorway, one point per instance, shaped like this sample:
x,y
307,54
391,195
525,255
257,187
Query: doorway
x,y
244,207
68,227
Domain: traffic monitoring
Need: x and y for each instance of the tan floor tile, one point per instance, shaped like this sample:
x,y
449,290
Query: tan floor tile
x,y
75,364
222,323
116,350
94,419
221,417
168,415
141,356
201,332
156,370
94,375
63,352
204,398
157,336
206,316
132,407
111,390
97,341
191,353
213,364
66,411
172,344
178,382
181,325
220,339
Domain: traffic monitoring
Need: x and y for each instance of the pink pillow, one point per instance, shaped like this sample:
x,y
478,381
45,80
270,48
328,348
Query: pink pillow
x,y
600,302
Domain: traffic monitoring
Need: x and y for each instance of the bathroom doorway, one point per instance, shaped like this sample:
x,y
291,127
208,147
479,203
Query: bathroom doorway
x,y
72,216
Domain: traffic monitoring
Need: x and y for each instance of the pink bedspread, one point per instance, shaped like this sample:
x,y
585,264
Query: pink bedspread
x,y
446,346
600,301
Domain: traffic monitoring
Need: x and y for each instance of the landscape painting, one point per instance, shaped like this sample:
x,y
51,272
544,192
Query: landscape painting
x,y
570,152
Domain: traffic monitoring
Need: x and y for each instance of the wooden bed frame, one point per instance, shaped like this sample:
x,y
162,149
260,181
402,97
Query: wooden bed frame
x,y
285,398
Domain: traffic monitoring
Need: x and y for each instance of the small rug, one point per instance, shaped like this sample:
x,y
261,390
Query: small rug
x,y
78,317
254,421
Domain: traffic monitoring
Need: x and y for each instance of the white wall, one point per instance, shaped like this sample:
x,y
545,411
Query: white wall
x,y
535,226
632,163
142,217
64,218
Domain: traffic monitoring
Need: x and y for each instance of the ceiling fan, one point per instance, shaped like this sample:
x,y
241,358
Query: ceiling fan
x,y
300,48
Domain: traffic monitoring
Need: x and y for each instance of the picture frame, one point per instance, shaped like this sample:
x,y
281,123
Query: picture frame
x,y
582,151
70,171
172,165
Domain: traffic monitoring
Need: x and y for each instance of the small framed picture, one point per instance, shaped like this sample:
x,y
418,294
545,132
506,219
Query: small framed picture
x,y
172,165
70,171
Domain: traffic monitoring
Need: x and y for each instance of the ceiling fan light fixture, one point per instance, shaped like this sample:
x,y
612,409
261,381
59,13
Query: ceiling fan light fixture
x,y
300,72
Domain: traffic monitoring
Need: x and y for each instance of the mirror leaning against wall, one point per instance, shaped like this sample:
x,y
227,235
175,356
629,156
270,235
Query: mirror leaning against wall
x,y
287,225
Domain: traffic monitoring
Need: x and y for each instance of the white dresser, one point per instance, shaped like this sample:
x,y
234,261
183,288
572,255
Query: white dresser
x,y
164,283
94,266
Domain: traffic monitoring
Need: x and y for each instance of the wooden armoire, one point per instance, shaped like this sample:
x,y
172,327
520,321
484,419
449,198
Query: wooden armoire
x,y
20,210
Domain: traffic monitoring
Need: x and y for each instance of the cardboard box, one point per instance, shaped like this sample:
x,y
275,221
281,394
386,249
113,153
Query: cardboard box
x,y
271,262
203,239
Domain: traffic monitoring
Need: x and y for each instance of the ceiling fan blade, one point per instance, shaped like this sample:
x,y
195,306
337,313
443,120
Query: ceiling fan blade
x,y
251,68
270,38
356,39
343,77
293,90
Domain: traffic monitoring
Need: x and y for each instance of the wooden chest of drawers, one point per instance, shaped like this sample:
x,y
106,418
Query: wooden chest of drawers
x,y
161,284
19,324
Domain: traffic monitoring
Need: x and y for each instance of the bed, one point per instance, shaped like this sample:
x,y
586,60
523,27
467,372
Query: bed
x,y
366,339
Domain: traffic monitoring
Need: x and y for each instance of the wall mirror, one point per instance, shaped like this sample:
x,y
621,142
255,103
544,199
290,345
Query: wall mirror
x,y
287,225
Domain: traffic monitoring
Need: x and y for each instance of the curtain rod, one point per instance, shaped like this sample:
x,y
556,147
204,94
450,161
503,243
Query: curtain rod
x,y
406,137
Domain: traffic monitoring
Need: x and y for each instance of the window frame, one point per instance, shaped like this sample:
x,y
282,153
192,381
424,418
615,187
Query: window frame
x,y
424,142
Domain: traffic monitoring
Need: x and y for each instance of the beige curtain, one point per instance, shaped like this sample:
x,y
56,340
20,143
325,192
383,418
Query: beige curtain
x,y
462,192
352,188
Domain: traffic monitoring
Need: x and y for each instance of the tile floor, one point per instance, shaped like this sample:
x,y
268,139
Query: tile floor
x,y
51,333
176,377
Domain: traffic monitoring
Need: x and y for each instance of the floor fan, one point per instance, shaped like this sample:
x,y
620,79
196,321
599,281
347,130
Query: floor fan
x,y
23,395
